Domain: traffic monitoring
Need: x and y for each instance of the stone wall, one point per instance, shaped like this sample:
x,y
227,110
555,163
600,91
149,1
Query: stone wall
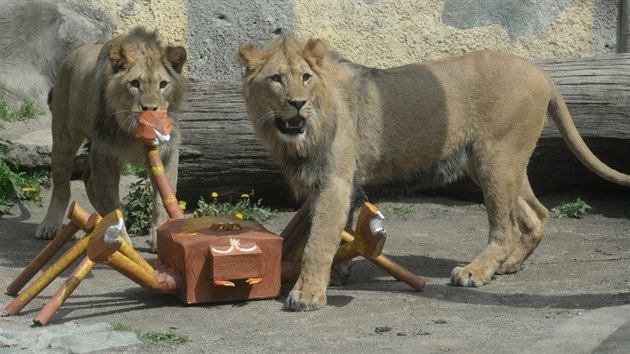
x,y
377,33
384,33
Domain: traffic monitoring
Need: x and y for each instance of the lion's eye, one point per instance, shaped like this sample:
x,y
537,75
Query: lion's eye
x,y
135,83
276,78
306,77
163,84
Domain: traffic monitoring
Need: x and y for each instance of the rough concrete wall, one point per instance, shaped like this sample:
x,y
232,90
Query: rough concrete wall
x,y
606,26
379,33
169,17
383,33
36,36
217,28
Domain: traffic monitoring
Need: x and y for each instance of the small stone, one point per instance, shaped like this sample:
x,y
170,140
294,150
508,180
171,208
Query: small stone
x,y
383,329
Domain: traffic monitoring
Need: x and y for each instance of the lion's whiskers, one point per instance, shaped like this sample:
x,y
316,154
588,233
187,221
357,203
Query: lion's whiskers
x,y
127,124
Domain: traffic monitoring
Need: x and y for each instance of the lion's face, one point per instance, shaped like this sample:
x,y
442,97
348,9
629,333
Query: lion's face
x,y
145,77
283,88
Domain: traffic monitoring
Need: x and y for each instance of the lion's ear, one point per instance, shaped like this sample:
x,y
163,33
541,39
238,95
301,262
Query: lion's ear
x,y
118,57
249,57
177,57
315,50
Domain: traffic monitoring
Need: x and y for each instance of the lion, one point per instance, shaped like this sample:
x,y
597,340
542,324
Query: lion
x,y
337,127
98,95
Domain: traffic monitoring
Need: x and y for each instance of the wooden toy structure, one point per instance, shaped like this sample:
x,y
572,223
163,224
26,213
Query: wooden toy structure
x,y
199,260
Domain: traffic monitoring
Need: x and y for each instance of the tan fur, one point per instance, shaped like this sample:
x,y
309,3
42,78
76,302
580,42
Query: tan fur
x,y
94,98
429,123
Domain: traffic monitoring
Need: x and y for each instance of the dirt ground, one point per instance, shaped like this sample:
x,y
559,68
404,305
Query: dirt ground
x,y
581,266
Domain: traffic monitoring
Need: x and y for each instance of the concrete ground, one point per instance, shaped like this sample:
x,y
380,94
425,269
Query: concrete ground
x,y
572,296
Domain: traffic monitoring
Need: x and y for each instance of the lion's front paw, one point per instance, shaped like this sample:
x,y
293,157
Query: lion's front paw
x,y
471,276
47,231
300,300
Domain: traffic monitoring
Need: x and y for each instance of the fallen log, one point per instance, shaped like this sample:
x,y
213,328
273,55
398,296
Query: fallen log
x,y
220,152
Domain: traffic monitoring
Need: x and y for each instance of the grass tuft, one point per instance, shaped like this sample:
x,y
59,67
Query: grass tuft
x,y
576,209
17,185
403,212
244,208
152,337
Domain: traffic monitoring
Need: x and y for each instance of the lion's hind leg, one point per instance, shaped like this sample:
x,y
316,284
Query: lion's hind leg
x,y
532,219
501,186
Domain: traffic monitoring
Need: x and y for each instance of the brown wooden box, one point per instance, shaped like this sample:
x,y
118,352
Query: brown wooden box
x,y
204,254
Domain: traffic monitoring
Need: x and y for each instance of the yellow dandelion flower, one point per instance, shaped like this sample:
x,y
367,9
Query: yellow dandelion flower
x,y
28,189
182,205
214,195
239,215
245,196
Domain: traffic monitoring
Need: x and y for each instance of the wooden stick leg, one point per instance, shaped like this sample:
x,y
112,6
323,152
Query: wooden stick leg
x,y
399,272
394,269
302,214
64,291
49,275
79,219
141,276
131,253
293,247
42,258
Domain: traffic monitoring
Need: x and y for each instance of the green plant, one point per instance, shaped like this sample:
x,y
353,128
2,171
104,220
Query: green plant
x,y
576,209
9,186
121,327
152,337
6,113
131,170
403,212
138,206
19,185
28,110
244,208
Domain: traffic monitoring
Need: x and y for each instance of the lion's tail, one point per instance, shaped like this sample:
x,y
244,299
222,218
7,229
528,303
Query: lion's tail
x,y
560,114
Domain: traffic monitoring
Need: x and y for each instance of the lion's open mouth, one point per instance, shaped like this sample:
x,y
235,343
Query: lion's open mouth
x,y
292,126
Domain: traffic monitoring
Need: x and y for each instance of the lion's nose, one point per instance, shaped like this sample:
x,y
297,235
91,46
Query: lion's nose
x,y
297,104
149,107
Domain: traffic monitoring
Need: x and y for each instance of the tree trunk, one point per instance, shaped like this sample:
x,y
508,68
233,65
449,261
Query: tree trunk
x,y
220,152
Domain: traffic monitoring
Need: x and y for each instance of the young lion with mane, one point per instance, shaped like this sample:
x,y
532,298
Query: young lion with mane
x,y
99,94
336,127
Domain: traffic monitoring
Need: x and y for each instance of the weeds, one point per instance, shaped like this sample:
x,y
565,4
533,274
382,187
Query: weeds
x,y
152,337
576,209
403,212
6,113
131,170
27,110
16,185
244,208
138,206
